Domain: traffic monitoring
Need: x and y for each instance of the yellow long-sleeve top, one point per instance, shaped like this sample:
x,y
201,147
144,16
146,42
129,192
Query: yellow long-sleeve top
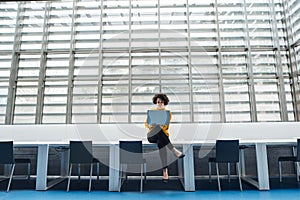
x,y
165,128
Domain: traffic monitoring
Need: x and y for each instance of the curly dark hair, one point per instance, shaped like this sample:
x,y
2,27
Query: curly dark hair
x,y
161,96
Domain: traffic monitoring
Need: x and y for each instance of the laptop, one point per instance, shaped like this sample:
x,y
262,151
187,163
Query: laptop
x,y
158,117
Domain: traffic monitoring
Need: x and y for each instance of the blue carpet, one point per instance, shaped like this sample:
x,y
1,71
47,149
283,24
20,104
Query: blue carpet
x,y
154,189
172,195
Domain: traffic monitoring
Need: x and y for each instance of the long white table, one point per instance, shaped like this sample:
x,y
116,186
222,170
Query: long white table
x,y
184,135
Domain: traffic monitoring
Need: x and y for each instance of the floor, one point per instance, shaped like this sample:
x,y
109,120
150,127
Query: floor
x,y
154,189
174,195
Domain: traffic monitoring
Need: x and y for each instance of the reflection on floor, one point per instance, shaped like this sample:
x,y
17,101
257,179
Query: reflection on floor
x,y
153,189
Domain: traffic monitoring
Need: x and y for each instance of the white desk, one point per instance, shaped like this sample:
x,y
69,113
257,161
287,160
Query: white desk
x,y
258,134
185,135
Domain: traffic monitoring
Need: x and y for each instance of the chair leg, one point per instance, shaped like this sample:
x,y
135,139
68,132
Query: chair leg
x,y
297,170
126,168
279,167
78,168
219,184
141,184
91,174
228,172
28,171
120,177
209,171
98,171
11,176
239,174
69,177
145,172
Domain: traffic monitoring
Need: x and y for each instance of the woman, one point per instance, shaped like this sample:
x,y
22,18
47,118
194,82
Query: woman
x,y
161,135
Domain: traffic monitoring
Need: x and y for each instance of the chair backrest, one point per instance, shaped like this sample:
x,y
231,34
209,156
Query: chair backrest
x,y
131,152
227,151
298,150
6,152
81,152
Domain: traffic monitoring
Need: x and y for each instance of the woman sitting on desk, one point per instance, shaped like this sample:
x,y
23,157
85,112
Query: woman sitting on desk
x,y
161,136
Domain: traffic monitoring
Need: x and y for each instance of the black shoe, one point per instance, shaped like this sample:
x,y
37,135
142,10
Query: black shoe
x,y
181,156
165,180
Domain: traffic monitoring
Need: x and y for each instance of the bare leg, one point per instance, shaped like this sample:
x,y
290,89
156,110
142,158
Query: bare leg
x,y
165,175
177,153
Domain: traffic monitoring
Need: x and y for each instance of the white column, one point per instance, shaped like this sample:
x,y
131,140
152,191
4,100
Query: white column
x,y
262,166
113,167
42,167
188,168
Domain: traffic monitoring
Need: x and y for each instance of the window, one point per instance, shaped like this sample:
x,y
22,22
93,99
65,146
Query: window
x,y
101,61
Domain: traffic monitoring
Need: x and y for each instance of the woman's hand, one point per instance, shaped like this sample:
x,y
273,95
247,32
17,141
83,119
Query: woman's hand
x,y
153,125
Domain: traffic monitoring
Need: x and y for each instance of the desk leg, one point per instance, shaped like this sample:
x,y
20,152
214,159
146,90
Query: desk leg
x,y
242,161
42,166
113,168
188,168
262,166
64,163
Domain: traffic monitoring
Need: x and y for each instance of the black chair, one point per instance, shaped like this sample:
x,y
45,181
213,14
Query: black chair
x,y
81,152
295,159
7,158
131,153
227,151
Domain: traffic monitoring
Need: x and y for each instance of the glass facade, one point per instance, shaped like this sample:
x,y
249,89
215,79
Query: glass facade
x,y
101,61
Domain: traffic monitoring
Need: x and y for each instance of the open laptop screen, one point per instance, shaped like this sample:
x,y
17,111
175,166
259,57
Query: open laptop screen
x,y
159,117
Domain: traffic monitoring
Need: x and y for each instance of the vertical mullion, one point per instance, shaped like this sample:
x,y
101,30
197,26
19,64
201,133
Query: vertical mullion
x,y
100,71
275,39
130,64
253,110
291,56
159,45
11,97
220,73
190,74
71,65
42,73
